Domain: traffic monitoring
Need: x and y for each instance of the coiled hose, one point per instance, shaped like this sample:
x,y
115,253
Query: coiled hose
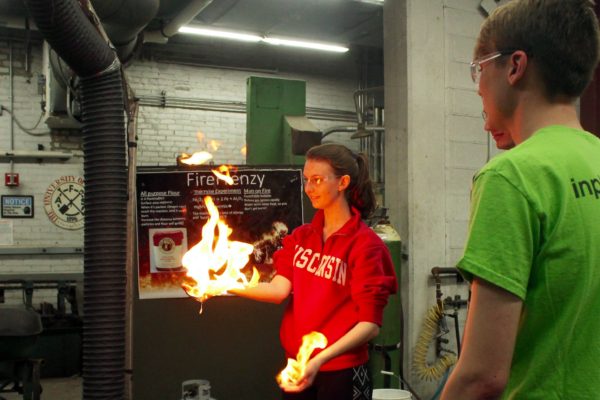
x,y
424,370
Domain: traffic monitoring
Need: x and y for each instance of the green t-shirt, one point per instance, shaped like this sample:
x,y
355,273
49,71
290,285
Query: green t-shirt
x,y
535,232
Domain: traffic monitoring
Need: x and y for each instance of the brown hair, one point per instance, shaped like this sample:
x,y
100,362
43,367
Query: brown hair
x,y
560,36
344,162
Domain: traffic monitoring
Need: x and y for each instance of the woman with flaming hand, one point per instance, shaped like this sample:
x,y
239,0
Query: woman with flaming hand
x,y
338,274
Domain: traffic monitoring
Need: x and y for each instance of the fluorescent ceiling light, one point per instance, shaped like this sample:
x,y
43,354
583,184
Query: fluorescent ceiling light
x,y
305,44
220,34
255,38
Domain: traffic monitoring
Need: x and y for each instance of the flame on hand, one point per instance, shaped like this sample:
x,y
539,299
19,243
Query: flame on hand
x,y
215,268
195,159
294,370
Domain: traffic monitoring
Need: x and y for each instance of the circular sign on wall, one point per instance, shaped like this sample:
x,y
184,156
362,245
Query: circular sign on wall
x,y
63,202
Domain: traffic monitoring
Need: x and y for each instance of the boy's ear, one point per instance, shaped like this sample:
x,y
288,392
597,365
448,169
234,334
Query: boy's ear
x,y
518,66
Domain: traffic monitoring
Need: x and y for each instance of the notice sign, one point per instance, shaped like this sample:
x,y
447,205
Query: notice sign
x,y
261,207
17,206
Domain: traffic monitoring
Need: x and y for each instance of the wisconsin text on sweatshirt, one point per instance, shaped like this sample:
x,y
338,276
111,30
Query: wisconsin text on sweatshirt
x,y
328,267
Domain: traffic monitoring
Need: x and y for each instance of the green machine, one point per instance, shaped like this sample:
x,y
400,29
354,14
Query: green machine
x,y
277,130
386,349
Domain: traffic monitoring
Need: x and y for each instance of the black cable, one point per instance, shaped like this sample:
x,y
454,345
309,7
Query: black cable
x,y
457,332
401,347
29,131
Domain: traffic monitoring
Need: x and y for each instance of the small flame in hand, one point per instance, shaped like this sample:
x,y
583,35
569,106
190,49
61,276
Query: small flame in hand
x,y
294,370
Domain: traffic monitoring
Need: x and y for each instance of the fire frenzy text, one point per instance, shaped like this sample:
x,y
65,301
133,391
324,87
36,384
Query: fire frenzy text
x,y
200,179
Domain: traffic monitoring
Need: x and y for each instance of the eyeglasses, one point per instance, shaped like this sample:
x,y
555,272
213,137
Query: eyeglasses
x,y
317,180
477,65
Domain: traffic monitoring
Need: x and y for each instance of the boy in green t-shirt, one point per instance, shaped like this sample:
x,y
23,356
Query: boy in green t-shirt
x,y
533,250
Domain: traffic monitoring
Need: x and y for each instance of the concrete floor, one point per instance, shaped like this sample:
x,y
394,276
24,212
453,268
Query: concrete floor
x,y
55,389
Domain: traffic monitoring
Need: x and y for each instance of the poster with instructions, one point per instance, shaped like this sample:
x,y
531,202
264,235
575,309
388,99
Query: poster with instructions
x,y
260,205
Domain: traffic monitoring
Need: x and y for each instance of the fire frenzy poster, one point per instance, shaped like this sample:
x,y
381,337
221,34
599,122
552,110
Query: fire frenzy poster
x,y
261,206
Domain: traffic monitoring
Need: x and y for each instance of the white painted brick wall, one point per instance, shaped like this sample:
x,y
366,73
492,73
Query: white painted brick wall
x,y
466,148
464,102
467,143
34,177
469,146
458,180
466,155
27,108
462,128
163,133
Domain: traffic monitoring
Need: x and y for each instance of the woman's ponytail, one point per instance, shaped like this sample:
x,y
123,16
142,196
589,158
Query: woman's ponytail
x,y
361,194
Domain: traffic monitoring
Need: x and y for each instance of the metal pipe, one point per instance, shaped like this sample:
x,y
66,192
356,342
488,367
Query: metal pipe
x,y
381,151
165,101
358,104
11,95
124,20
190,11
12,103
40,250
131,244
185,16
334,129
330,115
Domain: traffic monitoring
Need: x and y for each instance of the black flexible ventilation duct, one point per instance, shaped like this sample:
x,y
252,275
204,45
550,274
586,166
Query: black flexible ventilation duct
x,y
73,37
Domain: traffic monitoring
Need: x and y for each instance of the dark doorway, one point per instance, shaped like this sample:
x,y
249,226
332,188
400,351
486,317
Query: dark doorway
x,y
590,100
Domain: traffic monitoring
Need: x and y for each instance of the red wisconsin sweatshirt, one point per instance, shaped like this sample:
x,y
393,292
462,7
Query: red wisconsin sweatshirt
x,y
335,284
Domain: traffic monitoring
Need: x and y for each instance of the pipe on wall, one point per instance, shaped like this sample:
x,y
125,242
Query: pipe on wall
x,y
66,28
166,101
186,15
12,102
124,20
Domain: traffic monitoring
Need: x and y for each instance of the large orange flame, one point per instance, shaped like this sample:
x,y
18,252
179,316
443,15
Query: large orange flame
x,y
197,158
294,370
215,268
